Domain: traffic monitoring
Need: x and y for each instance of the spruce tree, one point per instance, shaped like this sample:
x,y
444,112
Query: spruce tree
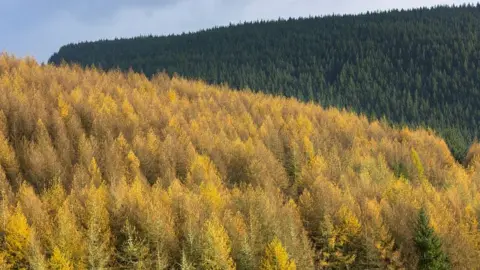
x,y
429,246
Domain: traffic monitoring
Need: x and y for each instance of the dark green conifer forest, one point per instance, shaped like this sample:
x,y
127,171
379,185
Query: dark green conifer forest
x,y
417,67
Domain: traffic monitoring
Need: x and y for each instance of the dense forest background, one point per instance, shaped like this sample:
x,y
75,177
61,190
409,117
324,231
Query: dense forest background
x,y
419,67
112,170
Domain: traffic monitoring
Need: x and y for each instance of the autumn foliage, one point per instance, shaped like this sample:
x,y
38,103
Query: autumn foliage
x,y
112,170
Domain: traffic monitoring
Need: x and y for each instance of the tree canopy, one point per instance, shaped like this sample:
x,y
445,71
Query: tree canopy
x,y
416,67
113,170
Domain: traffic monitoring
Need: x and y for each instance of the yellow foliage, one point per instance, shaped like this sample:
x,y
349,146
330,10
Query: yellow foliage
x,y
308,148
399,190
332,240
76,95
203,170
305,127
129,111
59,262
127,108
55,196
7,156
276,257
98,229
153,143
122,144
470,219
108,106
281,166
135,251
133,164
68,237
349,222
36,256
17,239
137,194
41,133
172,95
418,165
3,261
216,252
211,195
63,107
95,174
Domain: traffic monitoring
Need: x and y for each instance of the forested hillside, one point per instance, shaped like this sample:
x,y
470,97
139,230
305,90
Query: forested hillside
x,y
114,170
416,67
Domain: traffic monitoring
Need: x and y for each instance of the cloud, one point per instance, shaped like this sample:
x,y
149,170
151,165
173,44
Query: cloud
x,y
37,28
87,11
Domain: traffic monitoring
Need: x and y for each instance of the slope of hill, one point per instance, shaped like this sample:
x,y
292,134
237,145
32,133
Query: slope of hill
x,y
111,169
416,67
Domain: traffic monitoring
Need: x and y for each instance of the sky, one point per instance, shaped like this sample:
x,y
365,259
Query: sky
x,y
39,28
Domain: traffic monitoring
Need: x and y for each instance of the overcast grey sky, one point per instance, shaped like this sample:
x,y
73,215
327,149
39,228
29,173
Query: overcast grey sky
x,y
39,27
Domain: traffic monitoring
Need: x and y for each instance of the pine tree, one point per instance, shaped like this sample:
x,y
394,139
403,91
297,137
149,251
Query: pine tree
x,y
429,247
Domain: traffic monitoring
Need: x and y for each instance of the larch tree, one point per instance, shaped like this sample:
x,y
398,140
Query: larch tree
x,y
8,158
332,252
69,238
134,253
276,257
185,264
6,196
17,240
216,251
263,166
58,261
36,252
379,247
98,229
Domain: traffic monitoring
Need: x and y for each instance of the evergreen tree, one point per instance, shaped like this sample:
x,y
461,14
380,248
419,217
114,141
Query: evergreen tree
x,y
429,247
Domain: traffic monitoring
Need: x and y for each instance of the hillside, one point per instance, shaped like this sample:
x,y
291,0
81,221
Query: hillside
x,y
115,170
416,67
